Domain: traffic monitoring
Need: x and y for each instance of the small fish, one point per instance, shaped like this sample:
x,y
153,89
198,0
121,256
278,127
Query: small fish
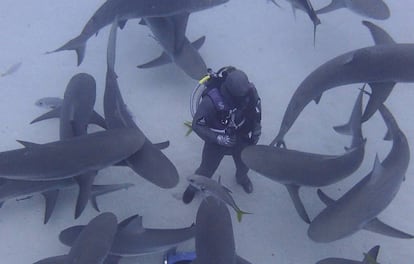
x,y
12,69
49,102
211,187
189,125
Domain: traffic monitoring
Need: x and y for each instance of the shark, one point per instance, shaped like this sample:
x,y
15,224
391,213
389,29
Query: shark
x,y
170,34
75,113
132,239
129,9
381,66
375,9
295,168
214,238
93,244
69,157
12,189
306,6
369,258
211,187
358,208
149,162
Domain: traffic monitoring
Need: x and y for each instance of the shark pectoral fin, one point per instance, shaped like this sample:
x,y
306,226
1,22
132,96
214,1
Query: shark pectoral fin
x,y
378,34
122,23
162,145
97,190
161,60
50,198
55,113
325,198
132,224
376,226
300,208
97,119
198,43
380,93
53,260
371,255
85,182
377,171
335,4
28,144
112,259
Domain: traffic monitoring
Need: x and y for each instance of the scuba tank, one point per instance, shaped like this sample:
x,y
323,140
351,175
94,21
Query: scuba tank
x,y
209,81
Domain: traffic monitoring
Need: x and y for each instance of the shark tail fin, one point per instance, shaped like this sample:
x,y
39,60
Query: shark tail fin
x,y
77,44
240,214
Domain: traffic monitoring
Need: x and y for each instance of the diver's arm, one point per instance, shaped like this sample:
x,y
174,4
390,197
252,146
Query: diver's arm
x,y
204,111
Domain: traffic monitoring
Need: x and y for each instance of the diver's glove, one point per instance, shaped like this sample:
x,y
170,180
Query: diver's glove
x,y
256,133
226,140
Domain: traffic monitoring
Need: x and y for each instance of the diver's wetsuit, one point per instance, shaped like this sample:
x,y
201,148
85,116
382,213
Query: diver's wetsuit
x,y
207,123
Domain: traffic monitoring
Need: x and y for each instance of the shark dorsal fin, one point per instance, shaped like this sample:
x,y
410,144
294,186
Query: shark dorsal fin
x,y
378,34
28,144
132,224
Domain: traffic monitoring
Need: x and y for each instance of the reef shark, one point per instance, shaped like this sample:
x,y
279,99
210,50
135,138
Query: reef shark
x,y
149,162
295,168
132,239
129,9
370,258
170,34
375,9
214,238
12,189
93,244
358,208
70,157
381,66
75,113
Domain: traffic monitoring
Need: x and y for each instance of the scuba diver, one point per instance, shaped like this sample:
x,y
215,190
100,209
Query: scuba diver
x,y
228,119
